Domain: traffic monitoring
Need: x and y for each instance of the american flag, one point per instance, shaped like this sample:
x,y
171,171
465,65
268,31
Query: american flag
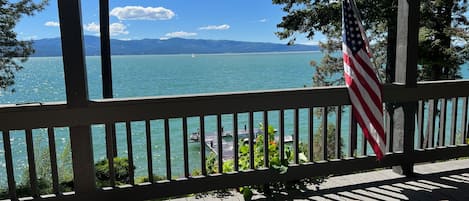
x,y
362,83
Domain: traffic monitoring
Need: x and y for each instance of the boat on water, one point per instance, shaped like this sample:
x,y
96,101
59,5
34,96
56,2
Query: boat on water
x,y
195,136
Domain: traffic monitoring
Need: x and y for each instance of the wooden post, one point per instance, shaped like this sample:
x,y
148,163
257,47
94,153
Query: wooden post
x,y
77,94
106,71
106,74
406,74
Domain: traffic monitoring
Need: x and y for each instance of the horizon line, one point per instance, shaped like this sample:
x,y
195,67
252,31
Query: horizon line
x,y
86,35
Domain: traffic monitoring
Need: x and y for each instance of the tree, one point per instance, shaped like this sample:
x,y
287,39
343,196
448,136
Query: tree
x,y
443,43
310,16
13,51
443,39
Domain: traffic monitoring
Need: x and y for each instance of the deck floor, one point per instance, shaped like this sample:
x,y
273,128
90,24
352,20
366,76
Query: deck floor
x,y
435,181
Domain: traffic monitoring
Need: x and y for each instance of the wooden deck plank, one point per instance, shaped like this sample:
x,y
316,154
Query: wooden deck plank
x,y
433,181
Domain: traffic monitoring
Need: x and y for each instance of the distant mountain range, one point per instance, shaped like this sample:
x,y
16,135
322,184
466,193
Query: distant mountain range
x,y
52,46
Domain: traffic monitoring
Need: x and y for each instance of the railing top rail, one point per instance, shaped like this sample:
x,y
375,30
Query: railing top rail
x,y
389,95
128,109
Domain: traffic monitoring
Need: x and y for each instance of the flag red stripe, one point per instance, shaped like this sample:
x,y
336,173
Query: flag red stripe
x,y
375,146
365,99
373,77
359,112
374,97
364,67
367,69
368,98
366,109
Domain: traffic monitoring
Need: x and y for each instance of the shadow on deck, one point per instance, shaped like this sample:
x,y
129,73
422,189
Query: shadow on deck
x,y
434,181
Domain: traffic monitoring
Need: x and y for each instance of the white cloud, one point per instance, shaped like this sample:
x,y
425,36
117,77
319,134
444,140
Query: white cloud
x,y
180,34
115,29
142,13
215,27
91,27
263,20
52,24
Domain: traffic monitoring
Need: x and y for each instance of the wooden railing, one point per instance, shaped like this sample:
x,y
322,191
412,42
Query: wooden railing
x,y
407,142
267,103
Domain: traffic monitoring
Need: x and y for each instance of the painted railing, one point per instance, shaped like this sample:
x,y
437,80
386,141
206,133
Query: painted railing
x,y
439,108
446,141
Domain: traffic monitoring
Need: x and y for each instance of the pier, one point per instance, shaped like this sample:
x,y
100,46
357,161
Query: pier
x,y
211,140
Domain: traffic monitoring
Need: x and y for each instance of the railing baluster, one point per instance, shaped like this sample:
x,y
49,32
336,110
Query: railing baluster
x,y
352,134
31,163
110,130
432,109
389,126
281,126
454,119
324,134
235,142
220,143
338,142
266,145
167,149
363,145
149,151
441,134
251,140
420,115
53,161
9,165
464,123
266,138
130,154
202,145
296,135
311,134
364,141
185,147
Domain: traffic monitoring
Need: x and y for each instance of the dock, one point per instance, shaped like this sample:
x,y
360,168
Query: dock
x,y
211,140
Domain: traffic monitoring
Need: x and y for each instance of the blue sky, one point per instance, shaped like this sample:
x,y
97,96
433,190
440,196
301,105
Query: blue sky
x,y
243,20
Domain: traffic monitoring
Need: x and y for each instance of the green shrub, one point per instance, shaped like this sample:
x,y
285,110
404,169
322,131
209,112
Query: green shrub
x,y
145,179
274,161
121,168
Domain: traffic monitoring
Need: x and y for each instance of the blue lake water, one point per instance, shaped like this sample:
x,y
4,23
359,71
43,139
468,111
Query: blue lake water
x,y
42,80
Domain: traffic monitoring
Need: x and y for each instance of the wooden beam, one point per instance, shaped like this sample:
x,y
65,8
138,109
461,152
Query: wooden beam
x,y
106,69
407,42
77,94
73,53
406,74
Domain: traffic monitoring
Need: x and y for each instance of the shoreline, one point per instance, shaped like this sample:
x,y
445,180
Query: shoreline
x,y
189,54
